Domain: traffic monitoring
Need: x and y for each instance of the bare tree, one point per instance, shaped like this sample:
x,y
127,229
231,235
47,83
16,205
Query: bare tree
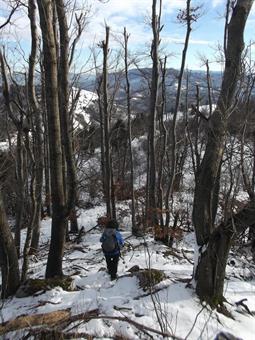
x,y
36,155
128,96
64,64
214,242
17,116
187,16
151,174
105,110
54,263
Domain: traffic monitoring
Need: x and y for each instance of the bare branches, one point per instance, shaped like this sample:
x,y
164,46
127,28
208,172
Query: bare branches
x,y
13,10
80,24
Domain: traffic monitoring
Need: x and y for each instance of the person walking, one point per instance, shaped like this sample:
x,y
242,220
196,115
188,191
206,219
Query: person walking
x,y
112,242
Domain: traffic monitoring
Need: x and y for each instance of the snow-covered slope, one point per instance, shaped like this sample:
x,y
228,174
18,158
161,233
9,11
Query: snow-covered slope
x,y
85,100
176,305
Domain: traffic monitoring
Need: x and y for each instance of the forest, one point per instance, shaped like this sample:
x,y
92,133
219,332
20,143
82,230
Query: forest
x,y
162,158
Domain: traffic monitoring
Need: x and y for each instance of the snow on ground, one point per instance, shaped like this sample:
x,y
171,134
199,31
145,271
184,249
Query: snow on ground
x,y
177,305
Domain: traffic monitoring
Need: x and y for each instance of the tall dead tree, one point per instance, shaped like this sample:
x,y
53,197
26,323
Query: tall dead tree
x,y
187,16
128,96
59,215
214,242
151,174
162,141
105,110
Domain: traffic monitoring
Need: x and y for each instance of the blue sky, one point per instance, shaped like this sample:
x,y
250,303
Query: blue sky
x,y
206,35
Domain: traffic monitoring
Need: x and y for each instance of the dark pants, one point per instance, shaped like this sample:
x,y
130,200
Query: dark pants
x,y
112,264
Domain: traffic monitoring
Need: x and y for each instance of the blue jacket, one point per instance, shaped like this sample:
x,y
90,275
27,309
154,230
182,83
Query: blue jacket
x,y
119,240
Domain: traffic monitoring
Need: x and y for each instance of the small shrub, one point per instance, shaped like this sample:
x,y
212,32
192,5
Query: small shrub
x,y
149,277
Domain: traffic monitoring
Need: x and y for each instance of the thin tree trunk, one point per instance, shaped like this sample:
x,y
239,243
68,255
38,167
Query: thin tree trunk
x,y
188,20
33,209
54,263
8,256
156,27
48,200
130,151
36,181
106,114
37,114
102,133
20,190
163,142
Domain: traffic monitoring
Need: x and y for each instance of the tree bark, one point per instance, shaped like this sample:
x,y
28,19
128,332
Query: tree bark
x,y
54,263
65,118
19,171
214,244
188,18
36,156
8,256
151,180
130,151
109,193
163,143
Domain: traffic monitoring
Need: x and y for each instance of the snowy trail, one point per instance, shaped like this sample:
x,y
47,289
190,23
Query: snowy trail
x,y
177,305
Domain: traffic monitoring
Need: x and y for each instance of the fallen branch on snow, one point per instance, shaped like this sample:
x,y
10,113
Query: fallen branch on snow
x,y
62,318
26,321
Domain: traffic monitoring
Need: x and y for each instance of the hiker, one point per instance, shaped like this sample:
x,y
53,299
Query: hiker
x,y
112,241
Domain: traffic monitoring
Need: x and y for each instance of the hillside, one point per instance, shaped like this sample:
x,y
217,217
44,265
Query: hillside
x,y
171,302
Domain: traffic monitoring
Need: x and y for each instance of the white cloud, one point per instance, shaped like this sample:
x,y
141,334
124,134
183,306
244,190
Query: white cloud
x,y
133,8
216,3
131,14
170,39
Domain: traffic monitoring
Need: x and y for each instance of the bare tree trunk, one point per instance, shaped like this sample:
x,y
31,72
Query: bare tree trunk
x,y
163,142
210,269
54,263
64,100
187,16
36,157
156,27
38,148
210,273
130,151
20,190
8,256
46,150
109,195
33,209
102,133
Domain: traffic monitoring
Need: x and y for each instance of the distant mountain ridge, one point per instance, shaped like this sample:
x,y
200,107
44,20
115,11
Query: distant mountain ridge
x,y
139,76
139,84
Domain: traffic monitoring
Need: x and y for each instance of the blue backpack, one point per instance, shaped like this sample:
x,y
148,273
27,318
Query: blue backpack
x,y
109,243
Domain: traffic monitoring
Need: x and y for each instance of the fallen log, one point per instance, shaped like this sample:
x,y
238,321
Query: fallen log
x,y
62,318
25,321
